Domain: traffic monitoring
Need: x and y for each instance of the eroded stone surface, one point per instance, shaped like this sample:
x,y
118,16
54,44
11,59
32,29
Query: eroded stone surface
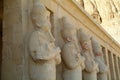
x,y
73,62
105,12
91,67
44,55
102,75
19,24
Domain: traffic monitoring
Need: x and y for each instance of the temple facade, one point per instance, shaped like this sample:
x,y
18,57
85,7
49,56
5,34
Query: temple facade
x,y
55,40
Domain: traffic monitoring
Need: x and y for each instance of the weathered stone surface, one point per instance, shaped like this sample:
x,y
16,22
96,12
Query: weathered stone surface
x,y
13,45
73,62
91,67
102,75
107,13
19,26
44,55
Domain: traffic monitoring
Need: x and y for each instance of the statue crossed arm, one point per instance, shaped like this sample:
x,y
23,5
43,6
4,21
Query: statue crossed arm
x,y
40,50
70,56
43,54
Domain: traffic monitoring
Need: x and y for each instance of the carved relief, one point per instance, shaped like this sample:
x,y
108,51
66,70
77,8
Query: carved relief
x,y
44,55
102,75
91,7
102,10
88,6
91,67
73,62
80,2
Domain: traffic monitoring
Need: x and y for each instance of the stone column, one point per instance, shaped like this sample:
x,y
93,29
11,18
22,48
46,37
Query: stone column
x,y
111,66
13,40
119,64
107,62
117,60
116,67
114,72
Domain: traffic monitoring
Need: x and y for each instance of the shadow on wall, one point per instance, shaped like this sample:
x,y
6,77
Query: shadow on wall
x,y
1,14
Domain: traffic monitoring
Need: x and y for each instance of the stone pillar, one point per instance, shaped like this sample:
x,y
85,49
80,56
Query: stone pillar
x,y
13,40
119,66
111,66
104,54
113,60
117,61
116,67
107,62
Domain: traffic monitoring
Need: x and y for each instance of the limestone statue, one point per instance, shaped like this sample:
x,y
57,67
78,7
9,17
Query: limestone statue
x,y
91,67
102,75
44,55
73,62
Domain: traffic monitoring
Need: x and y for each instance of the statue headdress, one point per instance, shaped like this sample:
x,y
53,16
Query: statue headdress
x,y
68,28
96,46
39,15
82,36
38,9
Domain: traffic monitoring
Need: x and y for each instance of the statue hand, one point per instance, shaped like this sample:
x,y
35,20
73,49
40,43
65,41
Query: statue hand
x,y
58,50
91,65
52,48
103,68
82,60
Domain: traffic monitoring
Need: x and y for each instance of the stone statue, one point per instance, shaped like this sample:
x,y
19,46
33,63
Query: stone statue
x,y
91,67
102,75
44,55
73,62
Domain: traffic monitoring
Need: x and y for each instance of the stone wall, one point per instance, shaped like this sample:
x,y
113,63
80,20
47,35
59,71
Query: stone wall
x,y
17,27
1,15
105,12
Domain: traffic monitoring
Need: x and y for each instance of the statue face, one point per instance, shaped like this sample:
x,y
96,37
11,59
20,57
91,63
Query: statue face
x,y
73,37
41,22
85,45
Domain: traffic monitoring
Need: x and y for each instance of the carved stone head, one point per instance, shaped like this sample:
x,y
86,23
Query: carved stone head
x,y
68,31
96,47
39,16
84,39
